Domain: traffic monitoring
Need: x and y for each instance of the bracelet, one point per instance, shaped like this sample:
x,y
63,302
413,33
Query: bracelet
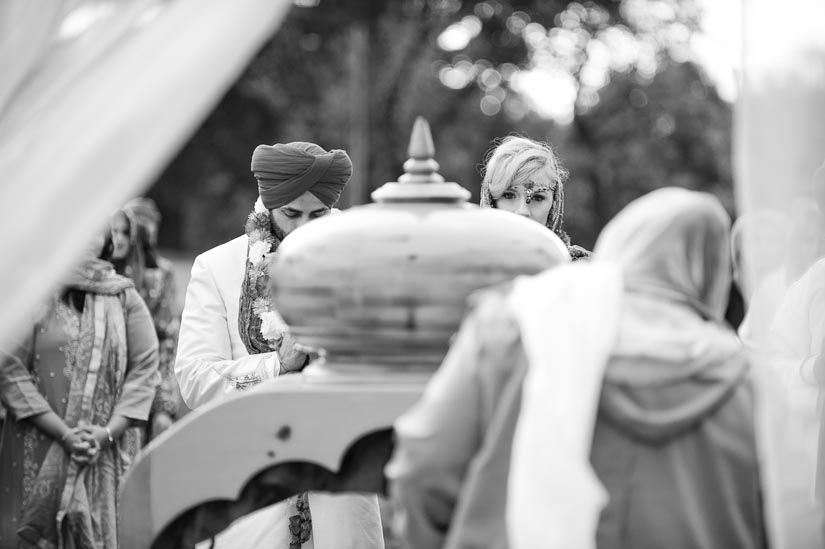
x,y
109,434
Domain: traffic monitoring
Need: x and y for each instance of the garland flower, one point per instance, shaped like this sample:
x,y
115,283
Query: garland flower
x,y
261,327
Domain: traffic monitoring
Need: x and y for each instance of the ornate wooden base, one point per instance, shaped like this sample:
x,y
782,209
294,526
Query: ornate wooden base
x,y
297,433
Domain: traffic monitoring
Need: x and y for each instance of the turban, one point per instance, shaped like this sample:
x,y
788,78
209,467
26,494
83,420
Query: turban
x,y
286,171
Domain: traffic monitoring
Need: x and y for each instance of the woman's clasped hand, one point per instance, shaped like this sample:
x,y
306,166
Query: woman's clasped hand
x,y
84,442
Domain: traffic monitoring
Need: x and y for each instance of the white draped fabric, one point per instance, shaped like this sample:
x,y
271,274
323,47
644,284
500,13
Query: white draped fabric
x,y
96,97
779,141
550,476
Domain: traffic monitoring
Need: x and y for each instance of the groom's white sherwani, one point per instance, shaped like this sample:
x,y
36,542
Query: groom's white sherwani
x,y
212,361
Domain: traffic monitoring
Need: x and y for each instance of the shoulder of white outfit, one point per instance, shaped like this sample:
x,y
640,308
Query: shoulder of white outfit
x,y
222,269
234,249
225,262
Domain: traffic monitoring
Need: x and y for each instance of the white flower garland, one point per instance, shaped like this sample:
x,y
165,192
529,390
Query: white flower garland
x,y
273,327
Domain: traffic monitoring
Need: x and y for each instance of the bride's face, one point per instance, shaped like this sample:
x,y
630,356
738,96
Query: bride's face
x,y
532,198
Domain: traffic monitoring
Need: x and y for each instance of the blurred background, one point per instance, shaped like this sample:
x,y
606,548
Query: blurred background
x,y
104,100
633,94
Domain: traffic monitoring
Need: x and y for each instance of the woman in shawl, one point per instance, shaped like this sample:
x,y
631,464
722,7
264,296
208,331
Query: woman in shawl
x,y
74,385
674,439
614,380
135,255
525,177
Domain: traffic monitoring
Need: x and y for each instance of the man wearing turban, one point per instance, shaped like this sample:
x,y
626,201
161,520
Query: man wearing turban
x,y
232,338
222,348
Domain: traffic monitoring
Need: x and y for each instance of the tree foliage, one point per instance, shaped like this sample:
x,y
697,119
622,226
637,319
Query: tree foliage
x,y
608,83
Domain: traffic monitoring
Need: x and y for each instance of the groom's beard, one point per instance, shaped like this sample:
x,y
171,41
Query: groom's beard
x,y
277,231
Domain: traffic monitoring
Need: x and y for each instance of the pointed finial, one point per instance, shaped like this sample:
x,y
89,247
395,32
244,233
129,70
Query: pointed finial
x,y
421,140
421,181
421,167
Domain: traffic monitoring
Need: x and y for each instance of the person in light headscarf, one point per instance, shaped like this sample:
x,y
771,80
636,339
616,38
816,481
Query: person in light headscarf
x,y
674,443
610,382
525,177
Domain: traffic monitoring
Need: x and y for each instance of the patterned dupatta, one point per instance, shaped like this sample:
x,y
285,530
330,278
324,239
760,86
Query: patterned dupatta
x,y
75,505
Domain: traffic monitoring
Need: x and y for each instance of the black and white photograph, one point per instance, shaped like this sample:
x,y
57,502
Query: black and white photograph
x,y
412,274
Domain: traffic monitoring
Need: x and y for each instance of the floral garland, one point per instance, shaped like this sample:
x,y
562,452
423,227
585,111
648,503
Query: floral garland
x,y
266,321
300,524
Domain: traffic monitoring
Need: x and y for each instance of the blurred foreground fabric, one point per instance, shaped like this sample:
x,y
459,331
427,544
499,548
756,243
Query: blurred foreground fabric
x,y
96,96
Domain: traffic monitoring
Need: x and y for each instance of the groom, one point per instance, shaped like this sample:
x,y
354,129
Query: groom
x,y
221,347
231,337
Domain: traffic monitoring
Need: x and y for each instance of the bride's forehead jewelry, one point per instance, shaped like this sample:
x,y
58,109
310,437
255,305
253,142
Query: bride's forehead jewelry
x,y
531,189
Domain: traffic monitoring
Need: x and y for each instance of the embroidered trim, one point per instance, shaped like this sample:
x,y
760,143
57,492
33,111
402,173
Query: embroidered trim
x,y
69,319
32,438
246,381
300,524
